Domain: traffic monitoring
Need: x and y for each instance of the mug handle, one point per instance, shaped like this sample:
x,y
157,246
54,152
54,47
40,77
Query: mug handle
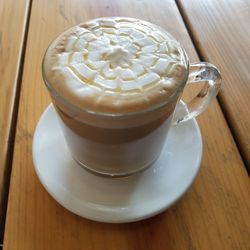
x,y
208,75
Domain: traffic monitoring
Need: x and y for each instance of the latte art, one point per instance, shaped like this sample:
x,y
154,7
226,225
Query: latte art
x,y
115,65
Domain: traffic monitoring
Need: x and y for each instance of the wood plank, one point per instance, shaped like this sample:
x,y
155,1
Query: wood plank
x,y
13,17
212,215
221,33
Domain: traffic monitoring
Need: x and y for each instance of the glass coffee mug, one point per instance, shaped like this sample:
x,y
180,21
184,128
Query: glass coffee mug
x,y
115,83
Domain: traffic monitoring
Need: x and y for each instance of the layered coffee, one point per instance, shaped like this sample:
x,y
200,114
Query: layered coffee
x,y
115,83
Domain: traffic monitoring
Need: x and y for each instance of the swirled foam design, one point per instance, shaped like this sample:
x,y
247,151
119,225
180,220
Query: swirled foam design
x,y
115,65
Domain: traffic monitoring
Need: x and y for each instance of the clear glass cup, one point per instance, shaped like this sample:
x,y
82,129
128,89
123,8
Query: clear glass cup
x,y
116,145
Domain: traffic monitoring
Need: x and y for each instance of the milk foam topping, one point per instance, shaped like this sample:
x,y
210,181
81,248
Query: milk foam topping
x,y
115,65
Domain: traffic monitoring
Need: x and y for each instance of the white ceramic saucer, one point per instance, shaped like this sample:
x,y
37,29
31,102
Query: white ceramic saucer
x,y
116,200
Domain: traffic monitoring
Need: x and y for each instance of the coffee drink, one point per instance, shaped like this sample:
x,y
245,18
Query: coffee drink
x,y
115,83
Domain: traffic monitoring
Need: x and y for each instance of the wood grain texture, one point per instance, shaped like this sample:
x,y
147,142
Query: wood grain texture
x,y
212,214
13,17
221,33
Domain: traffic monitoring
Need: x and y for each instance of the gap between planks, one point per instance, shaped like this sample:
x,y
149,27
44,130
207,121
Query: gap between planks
x,y
12,133
201,57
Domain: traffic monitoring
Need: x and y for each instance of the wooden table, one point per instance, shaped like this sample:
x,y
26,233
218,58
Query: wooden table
x,y
213,214
13,19
221,34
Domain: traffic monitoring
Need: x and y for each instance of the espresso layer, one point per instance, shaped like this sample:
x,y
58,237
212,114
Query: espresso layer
x,y
115,65
112,136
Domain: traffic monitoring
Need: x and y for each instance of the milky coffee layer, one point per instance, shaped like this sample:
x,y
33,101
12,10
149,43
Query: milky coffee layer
x,y
115,65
